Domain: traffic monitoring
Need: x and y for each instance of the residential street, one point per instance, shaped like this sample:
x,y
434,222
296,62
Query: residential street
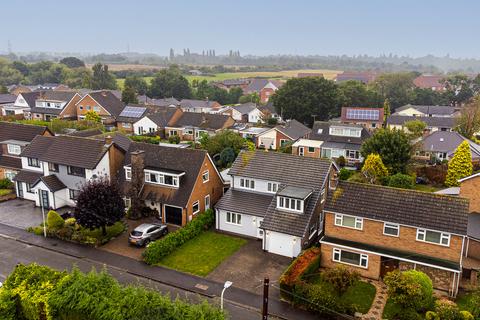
x,y
18,246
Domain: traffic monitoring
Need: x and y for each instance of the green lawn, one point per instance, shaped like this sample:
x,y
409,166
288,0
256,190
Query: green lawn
x,y
203,254
426,188
4,192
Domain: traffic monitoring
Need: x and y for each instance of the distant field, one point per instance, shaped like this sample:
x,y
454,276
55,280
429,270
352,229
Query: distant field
x,y
328,74
122,67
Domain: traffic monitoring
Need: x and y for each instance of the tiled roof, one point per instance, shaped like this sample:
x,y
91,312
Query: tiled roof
x,y
434,110
321,132
53,183
67,150
255,204
443,122
448,141
86,133
10,162
162,117
189,103
256,85
7,98
201,120
428,81
20,132
28,176
245,108
168,159
108,101
31,97
407,207
163,102
293,129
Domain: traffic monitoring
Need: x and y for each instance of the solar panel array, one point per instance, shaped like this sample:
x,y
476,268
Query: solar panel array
x,y
132,112
362,114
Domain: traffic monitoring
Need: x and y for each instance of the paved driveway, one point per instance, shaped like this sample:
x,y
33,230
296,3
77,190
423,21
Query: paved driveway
x,y
247,268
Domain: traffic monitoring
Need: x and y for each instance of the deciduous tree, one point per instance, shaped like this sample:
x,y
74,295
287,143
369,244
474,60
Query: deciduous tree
x,y
102,78
72,62
469,121
170,83
396,87
129,95
415,128
93,116
460,166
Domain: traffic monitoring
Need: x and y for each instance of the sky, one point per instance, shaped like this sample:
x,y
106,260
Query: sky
x,y
257,27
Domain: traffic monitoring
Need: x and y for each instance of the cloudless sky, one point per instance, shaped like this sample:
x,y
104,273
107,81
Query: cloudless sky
x,y
259,27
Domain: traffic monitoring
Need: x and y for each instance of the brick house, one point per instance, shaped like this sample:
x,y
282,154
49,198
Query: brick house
x,y
280,135
429,82
191,125
269,89
177,183
200,106
375,229
370,118
14,137
103,102
156,119
54,104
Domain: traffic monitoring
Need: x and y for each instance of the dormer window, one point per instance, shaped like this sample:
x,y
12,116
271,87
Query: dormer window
x,y
247,183
162,178
290,204
33,162
14,149
272,187
345,132
292,198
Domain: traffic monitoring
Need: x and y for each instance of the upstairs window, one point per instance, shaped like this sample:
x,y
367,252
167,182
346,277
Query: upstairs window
x,y
76,171
53,167
348,221
440,238
33,162
272,187
205,176
161,178
14,149
290,204
391,229
128,173
247,183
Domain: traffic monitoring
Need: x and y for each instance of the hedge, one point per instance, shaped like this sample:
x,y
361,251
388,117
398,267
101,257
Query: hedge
x,y
36,293
166,245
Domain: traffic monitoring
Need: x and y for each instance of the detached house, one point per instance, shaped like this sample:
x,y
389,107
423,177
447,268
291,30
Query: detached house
x,y
247,112
430,82
154,121
275,197
441,145
103,102
55,168
200,106
333,140
23,104
370,118
191,125
375,229
14,137
177,183
281,135
54,104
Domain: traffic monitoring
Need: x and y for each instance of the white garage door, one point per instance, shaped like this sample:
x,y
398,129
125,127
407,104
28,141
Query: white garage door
x,y
283,244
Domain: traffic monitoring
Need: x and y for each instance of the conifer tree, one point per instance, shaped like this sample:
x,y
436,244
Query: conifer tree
x,y
460,166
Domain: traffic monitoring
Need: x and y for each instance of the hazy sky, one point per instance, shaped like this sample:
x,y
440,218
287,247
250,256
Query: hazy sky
x,y
260,27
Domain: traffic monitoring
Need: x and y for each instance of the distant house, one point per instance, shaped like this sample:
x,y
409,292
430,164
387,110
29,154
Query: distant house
x,y
364,77
370,118
154,121
251,133
429,82
17,89
103,102
54,104
269,111
129,115
228,84
255,85
441,145
427,111
6,100
14,137
177,183
433,123
23,104
269,89
165,102
191,125
247,112
281,135
199,106
333,140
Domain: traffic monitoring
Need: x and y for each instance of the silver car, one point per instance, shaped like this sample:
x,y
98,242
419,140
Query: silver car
x,y
147,232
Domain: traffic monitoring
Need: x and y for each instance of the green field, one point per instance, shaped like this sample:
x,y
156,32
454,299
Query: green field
x,y
328,74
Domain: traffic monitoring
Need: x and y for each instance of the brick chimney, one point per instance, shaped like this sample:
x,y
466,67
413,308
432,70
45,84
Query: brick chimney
x,y
137,160
108,140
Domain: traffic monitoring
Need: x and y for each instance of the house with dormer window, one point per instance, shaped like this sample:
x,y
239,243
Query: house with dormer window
x,y
54,104
277,198
176,183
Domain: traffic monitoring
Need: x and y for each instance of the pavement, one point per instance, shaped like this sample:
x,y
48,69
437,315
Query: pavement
x,y
247,268
45,248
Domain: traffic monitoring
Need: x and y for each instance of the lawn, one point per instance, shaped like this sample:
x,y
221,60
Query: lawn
x,y
426,188
4,192
203,254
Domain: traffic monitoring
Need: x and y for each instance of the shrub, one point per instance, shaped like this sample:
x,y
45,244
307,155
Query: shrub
x,y
400,180
70,222
341,278
166,245
344,174
54,221
174,139
341,161
472,304
318,298
6,184
448,310
460,166
8,307
410,289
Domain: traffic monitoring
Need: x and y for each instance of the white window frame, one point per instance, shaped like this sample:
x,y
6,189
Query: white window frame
x,y
207,202
272,187
160,177
285,203
391,226
363,257
14,149
128,202
247,183
128,173
197,204
422,237
340,223
233,218
205,176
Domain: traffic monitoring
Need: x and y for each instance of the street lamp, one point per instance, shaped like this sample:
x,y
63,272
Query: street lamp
x,y
225,287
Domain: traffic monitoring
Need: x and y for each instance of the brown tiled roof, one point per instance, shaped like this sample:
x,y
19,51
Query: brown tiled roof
x,y
407,207
255,204
201,120
10,162
86,133
428,81
20,132
67,150
108,101
168,159
53,183
28,176
31,97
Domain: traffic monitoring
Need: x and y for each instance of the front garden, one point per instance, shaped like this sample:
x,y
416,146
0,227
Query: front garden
x,y
325,292
7,190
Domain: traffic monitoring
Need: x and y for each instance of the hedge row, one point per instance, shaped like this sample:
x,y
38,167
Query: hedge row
x,y
166,245
36,293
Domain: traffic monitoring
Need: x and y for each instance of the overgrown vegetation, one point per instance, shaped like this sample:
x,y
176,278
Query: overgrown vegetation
x,y
60,126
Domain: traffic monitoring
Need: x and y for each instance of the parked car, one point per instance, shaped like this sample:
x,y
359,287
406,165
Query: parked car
x,y
147,232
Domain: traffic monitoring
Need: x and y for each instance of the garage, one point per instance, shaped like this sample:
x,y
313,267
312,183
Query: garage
x,y
173,215
282,244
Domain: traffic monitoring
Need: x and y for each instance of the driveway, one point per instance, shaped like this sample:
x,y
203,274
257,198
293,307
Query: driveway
x,y
247,268
22,213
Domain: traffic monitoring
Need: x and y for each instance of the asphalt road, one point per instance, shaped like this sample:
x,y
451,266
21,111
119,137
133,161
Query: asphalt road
x,y
13,252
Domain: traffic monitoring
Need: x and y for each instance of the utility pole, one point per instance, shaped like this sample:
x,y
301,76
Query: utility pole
x,y
265,299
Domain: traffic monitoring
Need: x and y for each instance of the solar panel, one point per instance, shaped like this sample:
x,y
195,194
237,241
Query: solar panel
x,y
132,112
362,114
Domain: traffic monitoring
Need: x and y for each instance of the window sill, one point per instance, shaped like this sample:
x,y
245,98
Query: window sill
x,y
351,264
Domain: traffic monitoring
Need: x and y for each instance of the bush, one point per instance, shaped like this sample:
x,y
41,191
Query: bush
x,y
174,139
344,174
410,289
341,161
54,221
400,180
318,298
341,278
6,184
166,245
448,310
70,222
8,307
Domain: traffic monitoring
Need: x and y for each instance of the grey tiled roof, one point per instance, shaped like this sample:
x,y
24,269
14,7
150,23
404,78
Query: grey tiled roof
x,y
408,207
201,120
10,162
321,132
28,176
53,183
448,141
437,110
20,132
252,203
443,122
245,108
7,98
473,229
293,129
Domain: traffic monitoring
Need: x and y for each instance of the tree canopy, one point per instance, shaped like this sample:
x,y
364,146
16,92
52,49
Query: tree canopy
x,y
303,98
170,83
357,94
102,78
397,87
469,121
460,166
129,95
374,169
72,62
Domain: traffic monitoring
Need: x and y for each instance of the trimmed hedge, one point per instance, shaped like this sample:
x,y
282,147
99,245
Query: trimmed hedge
x,y
39,293
166,245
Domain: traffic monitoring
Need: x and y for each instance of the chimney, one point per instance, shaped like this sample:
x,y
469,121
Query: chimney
x,y
108,140
333,180
137,160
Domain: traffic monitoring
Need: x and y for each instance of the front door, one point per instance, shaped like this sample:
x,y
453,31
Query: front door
x,y
44,199
388,265
20,189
